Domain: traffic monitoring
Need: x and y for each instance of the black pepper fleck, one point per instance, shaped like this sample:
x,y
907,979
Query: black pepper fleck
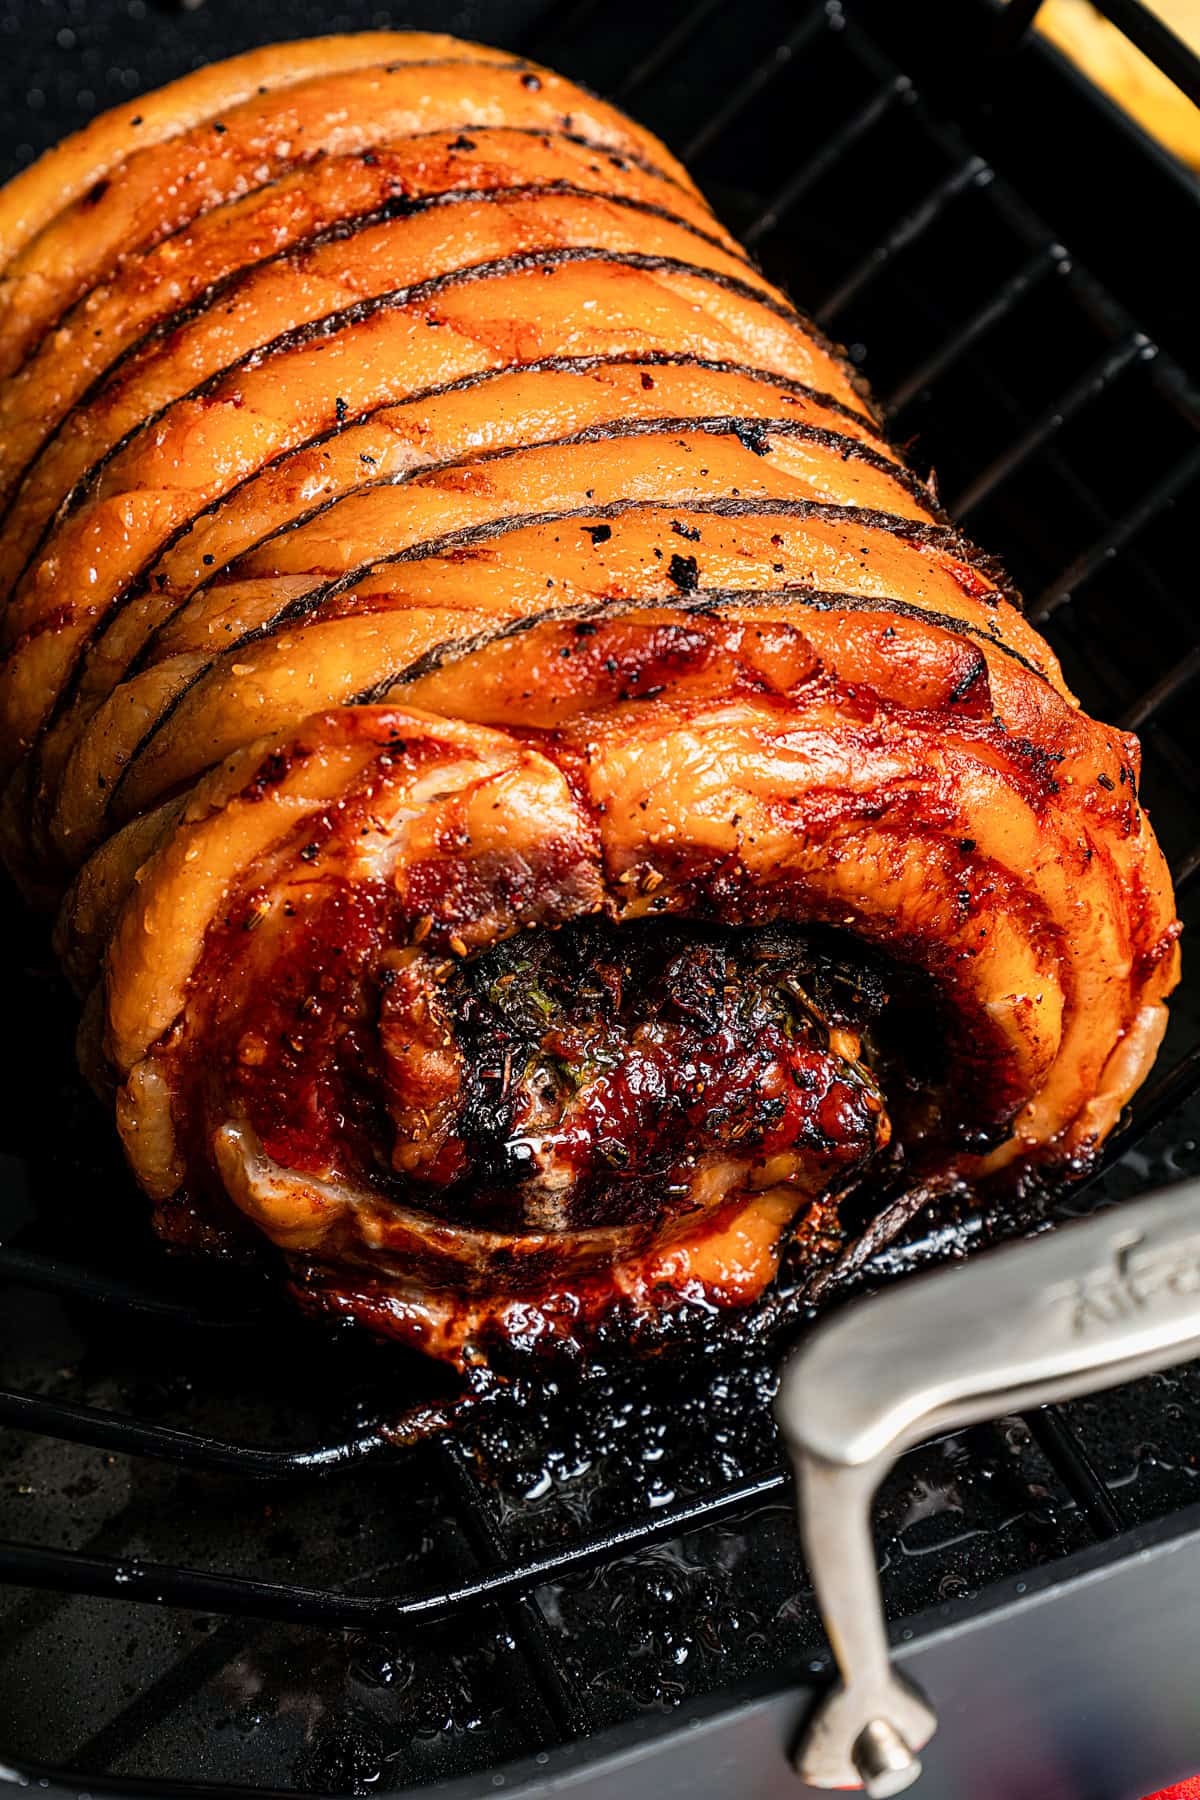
x,y
685,573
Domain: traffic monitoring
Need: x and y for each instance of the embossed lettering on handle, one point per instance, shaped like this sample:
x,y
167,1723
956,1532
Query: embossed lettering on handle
x,y
1084,1308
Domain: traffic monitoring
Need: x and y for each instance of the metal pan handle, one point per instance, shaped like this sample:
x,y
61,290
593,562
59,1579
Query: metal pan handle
x,y
1080,1309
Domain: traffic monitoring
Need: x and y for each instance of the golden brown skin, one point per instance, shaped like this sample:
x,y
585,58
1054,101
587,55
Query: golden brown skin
x,y
425,528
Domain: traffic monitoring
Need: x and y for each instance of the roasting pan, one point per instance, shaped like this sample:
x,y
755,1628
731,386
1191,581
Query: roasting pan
x,y
605,1595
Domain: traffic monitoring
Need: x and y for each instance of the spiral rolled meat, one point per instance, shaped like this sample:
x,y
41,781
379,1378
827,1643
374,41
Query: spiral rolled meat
x,y
541,804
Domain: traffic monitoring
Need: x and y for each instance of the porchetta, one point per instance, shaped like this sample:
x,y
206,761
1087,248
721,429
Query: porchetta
x,y
542,805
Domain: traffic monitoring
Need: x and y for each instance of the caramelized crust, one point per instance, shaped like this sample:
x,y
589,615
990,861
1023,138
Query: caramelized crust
x,y
542,804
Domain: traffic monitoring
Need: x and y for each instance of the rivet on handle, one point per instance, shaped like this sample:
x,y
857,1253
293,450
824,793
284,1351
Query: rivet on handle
x,y
885,1763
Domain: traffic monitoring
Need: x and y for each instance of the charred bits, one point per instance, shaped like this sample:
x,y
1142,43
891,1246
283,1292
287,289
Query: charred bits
x,y
684,571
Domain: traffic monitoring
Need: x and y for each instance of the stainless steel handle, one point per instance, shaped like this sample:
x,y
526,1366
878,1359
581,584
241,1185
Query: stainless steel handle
x,y
1083,1308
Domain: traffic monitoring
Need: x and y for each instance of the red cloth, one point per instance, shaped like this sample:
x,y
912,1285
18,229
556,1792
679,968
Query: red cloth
x,y
1186,1790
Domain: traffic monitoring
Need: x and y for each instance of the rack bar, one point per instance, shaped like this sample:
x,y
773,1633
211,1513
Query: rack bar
x,y
1162,692
148,1706
1064,1451
831,152
103,1430
668,45
1050,259
1091,384
1104,549
972,172
758,78
523,1615
1155,39
1159,1099
158,1584
50,1276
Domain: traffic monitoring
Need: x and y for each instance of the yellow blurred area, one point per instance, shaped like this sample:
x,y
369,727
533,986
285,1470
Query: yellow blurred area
x,y
1131,79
